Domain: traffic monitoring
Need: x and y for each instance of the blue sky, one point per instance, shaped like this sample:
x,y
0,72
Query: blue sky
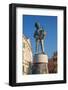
x,y
49,23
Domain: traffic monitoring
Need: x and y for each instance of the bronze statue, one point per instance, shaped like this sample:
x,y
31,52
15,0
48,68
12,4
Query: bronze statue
x,y
39,36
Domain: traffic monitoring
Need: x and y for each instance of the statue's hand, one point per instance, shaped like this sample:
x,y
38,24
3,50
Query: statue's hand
x,y
44,33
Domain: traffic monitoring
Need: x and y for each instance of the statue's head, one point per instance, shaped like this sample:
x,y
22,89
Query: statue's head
x,y
37,25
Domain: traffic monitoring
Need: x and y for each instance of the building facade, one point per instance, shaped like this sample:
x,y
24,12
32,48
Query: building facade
x,y
27,56
52,64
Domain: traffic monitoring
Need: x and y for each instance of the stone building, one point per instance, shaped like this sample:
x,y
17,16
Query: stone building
x,y
52,64
27,56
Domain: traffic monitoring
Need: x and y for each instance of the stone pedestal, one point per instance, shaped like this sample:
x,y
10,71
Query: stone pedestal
x,y
40,64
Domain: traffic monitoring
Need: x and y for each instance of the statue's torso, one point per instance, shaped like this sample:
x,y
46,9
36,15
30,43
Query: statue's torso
x,y
39,34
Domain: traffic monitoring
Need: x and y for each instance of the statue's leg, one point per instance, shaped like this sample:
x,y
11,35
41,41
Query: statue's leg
x,y
37,43
42,45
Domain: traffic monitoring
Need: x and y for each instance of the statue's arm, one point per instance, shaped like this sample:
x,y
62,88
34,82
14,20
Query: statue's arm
x,y
44,33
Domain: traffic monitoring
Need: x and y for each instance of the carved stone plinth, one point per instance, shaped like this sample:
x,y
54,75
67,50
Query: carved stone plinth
x,y
40,64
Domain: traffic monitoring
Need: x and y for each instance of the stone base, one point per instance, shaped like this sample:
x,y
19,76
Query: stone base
x,y
40,58
40,64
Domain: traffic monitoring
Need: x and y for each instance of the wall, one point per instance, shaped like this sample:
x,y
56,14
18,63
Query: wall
x,y
4,47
